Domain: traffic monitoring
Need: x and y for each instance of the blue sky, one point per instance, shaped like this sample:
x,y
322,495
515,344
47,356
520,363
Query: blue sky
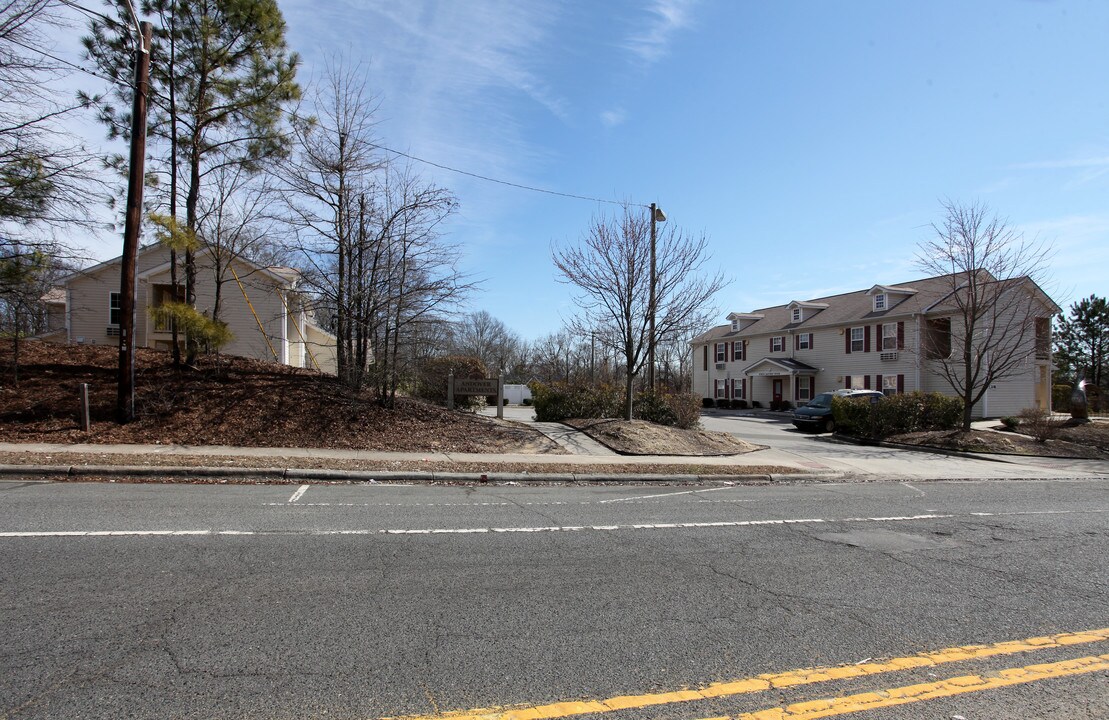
x,y
811,141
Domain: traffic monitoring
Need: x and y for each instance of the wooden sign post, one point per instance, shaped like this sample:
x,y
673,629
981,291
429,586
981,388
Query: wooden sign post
x,y
467,386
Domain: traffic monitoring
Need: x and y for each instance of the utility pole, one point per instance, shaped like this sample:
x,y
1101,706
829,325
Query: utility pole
x,y
125,402
657,216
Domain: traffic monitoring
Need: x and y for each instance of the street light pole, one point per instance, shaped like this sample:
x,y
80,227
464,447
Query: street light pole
x,y
657,216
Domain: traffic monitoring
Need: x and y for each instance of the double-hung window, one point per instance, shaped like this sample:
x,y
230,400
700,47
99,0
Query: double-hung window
x,y
796,315
721,352
777,344
879,302
856,339
804,389
889,336
889,385
804,341
113,308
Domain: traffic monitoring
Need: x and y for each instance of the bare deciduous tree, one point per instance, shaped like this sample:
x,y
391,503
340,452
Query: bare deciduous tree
x,y
47,177
235,224
993,299
479,334
369,235
611,268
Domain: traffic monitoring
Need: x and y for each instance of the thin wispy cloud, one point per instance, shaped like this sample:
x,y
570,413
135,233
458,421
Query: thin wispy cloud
x,y
1086,169
1073,163
612,118
652,42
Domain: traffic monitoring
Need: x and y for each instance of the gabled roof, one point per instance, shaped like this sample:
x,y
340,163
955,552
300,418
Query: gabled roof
x,y
281,275
912,298
793,366
891,290
65,279
806,305
54,296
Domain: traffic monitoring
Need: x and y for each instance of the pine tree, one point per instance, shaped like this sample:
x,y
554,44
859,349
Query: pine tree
x,y
221,76
1082,340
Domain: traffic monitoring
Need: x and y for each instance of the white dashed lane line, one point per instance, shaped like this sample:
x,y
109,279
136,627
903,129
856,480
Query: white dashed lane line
x,y
538,529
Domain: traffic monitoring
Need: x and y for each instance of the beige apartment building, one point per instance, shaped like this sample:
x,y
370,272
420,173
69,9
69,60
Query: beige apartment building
x,y
891,338
261,306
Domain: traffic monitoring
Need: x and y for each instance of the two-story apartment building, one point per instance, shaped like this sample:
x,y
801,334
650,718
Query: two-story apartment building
x,y
891,338
260,305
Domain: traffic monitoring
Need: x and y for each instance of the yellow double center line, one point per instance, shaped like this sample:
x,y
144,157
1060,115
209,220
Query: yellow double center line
x,y
809,676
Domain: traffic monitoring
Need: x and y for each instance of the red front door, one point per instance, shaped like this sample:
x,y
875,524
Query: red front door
x,y
777,390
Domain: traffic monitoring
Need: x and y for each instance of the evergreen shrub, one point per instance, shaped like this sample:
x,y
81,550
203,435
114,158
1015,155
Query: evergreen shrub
x,y
559,401
896,414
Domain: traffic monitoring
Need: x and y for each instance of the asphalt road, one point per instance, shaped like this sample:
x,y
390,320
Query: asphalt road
x,y
338,601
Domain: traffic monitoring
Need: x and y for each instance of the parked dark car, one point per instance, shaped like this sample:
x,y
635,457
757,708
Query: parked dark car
x,y
817,413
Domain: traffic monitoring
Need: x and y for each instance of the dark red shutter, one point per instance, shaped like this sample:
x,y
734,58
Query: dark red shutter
x,y
847,340
866,338
900,336
900,383
727,390
743,386
796,388
796,342
706,357
878,383
742,349
847,382
866,382
771,344
810,348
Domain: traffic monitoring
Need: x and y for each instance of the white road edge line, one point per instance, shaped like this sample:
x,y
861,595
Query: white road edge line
x,y
672,494
300,492
540,529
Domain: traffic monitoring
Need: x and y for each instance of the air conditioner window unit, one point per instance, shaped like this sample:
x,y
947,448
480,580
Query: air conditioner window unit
x,y
719,366
889,356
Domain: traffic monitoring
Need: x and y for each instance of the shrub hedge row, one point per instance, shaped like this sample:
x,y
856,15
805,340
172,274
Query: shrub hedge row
x,y
896,414
559,401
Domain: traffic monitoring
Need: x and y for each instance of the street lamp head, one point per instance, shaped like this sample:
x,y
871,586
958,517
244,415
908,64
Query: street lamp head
x,y
660,216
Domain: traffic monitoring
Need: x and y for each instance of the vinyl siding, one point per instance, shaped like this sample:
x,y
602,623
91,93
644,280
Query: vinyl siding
x,y
268,337
827,355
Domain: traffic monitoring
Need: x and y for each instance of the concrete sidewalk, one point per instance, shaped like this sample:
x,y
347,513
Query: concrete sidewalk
x,y
126,461
825,462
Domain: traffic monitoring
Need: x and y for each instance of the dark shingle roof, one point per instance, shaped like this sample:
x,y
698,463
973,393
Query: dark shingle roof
x,y
844,309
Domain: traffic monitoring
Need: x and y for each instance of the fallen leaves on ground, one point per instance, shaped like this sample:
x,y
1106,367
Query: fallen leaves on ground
x,y
638,437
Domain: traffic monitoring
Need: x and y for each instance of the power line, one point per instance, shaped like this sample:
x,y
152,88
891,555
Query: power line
x,y
500,182
55,58
88,11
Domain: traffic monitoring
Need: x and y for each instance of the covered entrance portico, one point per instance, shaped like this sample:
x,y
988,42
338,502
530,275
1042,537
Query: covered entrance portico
x,y
776,381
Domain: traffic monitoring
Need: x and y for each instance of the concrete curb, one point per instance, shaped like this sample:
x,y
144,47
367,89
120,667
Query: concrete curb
x,y
927,449
319,475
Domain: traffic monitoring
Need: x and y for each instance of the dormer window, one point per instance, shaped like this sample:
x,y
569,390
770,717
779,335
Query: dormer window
x,y
796,315
879,302
735,325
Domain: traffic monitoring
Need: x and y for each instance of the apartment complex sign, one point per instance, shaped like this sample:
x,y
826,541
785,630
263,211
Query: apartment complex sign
x,y
471,386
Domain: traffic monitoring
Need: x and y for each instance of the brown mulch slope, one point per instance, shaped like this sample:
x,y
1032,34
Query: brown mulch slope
x,y
240,402
638,437
1086,442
